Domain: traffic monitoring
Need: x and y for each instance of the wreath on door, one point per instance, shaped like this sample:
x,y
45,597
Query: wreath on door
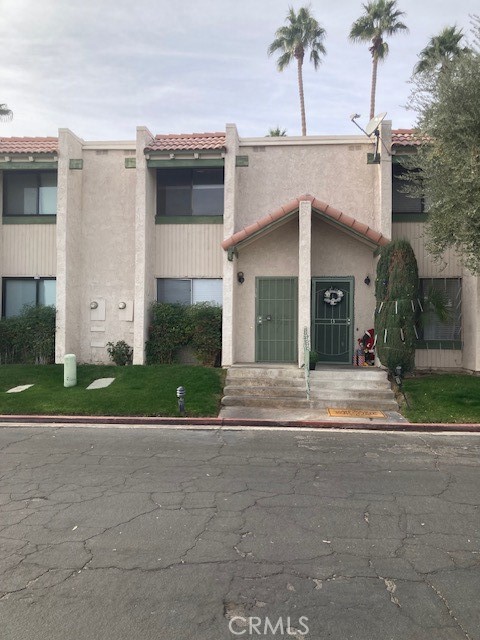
x,y
333,296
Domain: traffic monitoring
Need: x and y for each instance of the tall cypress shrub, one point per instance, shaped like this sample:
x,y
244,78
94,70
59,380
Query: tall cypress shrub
x,y
398,306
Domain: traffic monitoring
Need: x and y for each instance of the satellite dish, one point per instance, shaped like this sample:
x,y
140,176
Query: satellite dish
x,y
374,123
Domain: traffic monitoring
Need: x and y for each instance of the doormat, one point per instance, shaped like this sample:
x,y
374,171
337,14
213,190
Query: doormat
x,y
355,413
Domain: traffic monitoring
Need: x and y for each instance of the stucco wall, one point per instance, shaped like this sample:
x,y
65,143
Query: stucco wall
x,y
274,255
335,253
107,221
334,173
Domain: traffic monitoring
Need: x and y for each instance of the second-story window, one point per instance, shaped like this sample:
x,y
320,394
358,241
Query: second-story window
x,y
29,193
402,202
190,192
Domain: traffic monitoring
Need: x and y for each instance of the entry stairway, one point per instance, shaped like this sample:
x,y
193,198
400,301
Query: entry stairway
x,y
255,389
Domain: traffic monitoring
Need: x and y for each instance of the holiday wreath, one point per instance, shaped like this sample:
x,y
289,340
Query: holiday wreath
x,y
333,296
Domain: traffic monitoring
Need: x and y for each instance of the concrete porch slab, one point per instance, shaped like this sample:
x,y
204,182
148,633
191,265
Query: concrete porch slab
x,y
289,415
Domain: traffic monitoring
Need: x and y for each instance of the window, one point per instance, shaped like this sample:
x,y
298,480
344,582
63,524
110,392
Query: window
x,y
190,192
29,193
189,291
17,292
451,290
401,201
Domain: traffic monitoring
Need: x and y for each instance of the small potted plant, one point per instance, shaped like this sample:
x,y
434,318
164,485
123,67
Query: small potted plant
x,y
313,360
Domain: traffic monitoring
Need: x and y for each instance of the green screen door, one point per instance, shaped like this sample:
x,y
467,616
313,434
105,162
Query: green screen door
x,y
332,323
276,320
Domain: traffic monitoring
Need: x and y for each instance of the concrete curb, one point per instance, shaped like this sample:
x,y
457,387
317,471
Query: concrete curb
x,y
225,423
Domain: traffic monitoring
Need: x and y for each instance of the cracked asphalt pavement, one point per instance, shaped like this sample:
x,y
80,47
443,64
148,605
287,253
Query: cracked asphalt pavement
x,y
136,534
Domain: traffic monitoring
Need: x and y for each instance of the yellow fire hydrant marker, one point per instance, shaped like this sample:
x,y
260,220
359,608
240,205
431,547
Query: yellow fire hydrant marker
x,y
355,413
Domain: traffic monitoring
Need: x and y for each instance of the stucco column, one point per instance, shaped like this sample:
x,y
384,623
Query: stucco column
x,y
230,198
304,274
470,321
69,246
144,246
385,180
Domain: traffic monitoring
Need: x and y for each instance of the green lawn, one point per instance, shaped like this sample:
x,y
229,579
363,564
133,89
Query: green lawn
x,y
138,391
443,398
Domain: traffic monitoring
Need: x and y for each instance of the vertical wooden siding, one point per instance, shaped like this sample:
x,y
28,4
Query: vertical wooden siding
x,y
427,267
188,250
438,359
29,250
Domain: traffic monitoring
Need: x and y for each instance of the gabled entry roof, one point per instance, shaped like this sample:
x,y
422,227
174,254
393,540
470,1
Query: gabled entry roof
x,y
324,209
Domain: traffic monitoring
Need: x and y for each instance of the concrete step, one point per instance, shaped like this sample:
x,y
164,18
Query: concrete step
x,y
270,391
266,382
354,385
289,373
355,373
283,388
293,403
315,393
338,394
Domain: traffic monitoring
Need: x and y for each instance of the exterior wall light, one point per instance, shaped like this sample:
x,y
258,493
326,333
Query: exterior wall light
x,y
122,305
398,375
93,304
240,277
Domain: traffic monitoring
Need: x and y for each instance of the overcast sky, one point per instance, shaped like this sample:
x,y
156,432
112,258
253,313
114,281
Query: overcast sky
x,y
102,67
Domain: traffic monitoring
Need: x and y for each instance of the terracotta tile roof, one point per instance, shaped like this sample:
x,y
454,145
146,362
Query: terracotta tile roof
x,y
28,145
407,138
187,142
330,212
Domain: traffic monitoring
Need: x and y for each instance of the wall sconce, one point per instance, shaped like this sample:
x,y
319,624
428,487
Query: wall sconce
x,y
367,280
122,305
240,277
93,304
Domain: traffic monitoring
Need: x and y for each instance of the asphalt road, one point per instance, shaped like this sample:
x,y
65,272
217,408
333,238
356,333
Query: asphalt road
x,y
170,534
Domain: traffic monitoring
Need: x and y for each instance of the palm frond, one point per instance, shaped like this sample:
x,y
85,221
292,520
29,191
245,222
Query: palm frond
x,y
6,114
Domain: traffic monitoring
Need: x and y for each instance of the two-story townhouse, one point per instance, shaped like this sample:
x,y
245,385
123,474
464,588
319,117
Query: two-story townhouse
x,y
264,226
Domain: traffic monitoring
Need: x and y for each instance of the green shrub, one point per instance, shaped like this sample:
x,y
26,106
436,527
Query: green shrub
x,y
168,332
397,306
206,332
28,338
121,353
174,326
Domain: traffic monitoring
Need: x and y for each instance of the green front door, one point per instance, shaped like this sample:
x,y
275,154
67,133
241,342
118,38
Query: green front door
x,y
333,323
276,320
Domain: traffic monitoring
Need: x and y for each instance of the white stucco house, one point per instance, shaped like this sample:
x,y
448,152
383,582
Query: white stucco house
x,y
264,226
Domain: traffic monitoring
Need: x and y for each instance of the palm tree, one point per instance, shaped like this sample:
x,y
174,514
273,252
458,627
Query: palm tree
x,y
381,18
276,133
302,32
440,51
5,113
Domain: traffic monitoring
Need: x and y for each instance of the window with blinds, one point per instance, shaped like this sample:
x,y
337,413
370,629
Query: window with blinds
x,y
451,290
402,202
18,292
189,290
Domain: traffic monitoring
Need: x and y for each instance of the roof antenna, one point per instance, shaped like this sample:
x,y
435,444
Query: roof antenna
x,y
372,129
